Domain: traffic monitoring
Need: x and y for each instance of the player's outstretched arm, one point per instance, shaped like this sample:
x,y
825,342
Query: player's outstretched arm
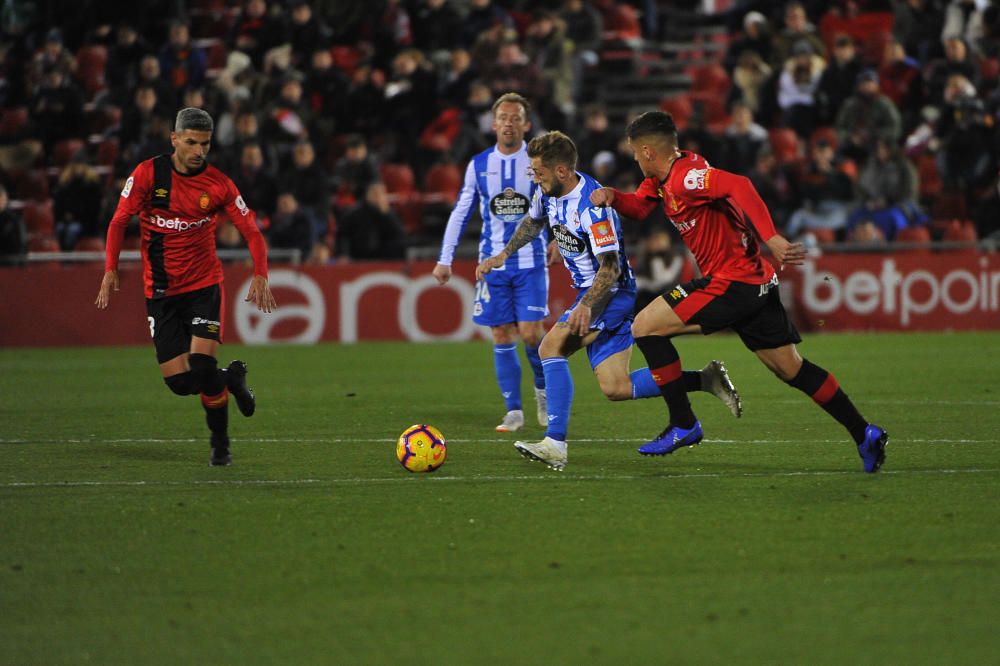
x,y
525,232
109,283
260,294
793,254
603,196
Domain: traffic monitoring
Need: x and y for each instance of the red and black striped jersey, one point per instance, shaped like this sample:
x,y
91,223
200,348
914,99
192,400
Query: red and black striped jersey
x,y
177,219
716,213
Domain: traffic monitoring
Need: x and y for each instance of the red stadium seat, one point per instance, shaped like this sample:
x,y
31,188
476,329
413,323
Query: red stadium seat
x,y
33,185
90,244
38,218
91,61
346,58
65,150
930,179
785,144
107,151
43,244
710,80
920,237
398,178
824,133
13,121
824,236
679,107
442,183
960,231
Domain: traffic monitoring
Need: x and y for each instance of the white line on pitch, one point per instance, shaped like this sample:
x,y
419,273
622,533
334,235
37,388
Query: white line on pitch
x,y
485,440
541,477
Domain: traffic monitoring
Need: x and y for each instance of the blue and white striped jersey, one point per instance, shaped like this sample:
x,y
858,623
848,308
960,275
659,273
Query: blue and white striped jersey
x,y
502,189
583,232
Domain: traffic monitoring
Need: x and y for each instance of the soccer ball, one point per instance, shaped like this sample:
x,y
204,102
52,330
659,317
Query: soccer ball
x,y
421,448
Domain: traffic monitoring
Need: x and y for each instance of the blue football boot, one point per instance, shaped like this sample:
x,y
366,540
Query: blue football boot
x,y
872,449
672,439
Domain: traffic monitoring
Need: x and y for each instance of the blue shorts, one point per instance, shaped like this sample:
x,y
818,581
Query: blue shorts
x,y
614,324
505,297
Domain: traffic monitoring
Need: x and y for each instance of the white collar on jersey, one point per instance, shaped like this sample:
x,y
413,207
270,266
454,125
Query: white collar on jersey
x,y
522,149
575,192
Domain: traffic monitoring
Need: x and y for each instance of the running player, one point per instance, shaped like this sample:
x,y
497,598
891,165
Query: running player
x,y
590,242
513,300
720,216
177,197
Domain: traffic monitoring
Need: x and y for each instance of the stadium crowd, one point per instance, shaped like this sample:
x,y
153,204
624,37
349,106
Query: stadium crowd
x,y
345,125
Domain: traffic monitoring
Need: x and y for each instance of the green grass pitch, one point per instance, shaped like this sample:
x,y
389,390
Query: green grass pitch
x,y
765,544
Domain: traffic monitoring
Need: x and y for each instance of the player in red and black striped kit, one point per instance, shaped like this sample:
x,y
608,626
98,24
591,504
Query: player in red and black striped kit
x,y
177,198
720,216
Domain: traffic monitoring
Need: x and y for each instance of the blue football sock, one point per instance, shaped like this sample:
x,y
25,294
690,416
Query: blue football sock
x,y
643,384
559,390
536,365
508,367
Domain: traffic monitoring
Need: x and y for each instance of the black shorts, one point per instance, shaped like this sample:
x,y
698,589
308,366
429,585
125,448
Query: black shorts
x,y
173,320
754,311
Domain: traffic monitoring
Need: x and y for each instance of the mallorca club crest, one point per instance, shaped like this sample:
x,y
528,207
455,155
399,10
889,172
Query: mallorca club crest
x,y
204,201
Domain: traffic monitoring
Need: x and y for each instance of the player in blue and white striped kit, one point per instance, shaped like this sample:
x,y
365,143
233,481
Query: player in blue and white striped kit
x,y
590,242
513,300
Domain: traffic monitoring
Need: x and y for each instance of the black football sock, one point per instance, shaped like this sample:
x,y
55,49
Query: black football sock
x,y
692,380
214,395
823,388
665,366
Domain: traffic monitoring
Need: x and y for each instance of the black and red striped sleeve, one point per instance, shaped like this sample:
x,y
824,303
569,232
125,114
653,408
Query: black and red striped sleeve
x,y
245,220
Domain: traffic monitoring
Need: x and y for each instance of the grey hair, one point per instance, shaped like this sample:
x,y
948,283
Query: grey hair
x,y
193,119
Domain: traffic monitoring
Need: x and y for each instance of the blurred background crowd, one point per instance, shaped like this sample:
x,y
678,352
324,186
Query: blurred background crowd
x,y
347,125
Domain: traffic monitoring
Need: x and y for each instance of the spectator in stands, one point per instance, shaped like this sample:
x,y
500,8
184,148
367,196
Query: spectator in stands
x,y
967,160
291,227
917,26
956,89
901,80
149,75
756,37
604,167
52,56
13,233
122,69
957,60
258,187
584,26
138,118
182,64
483,15
659,265
57,109
546,46
595,137
887,187
437,26
257,31
742,140
486,50
866,116
750,80
774,184
697,138
363,106
354,172
307,181
514,71
986,213
77,203
308,34
246,130
411,101
289,118
825,191
797,28
839,78
456,81
963,19
323,90
797,89
370,230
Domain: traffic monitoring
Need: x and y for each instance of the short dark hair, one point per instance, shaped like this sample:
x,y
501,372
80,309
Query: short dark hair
x,y
553,148
193,119
513,98
653,123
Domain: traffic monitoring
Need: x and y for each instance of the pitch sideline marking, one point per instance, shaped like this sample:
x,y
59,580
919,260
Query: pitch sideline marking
x,y
378,440
405,479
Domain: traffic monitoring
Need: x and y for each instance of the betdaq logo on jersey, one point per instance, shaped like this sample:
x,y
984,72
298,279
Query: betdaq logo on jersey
x,y
696,179
176,223
604,234
509,206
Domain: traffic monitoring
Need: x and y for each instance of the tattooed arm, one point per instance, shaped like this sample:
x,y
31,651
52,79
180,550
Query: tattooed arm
x,y
597,295
527,231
